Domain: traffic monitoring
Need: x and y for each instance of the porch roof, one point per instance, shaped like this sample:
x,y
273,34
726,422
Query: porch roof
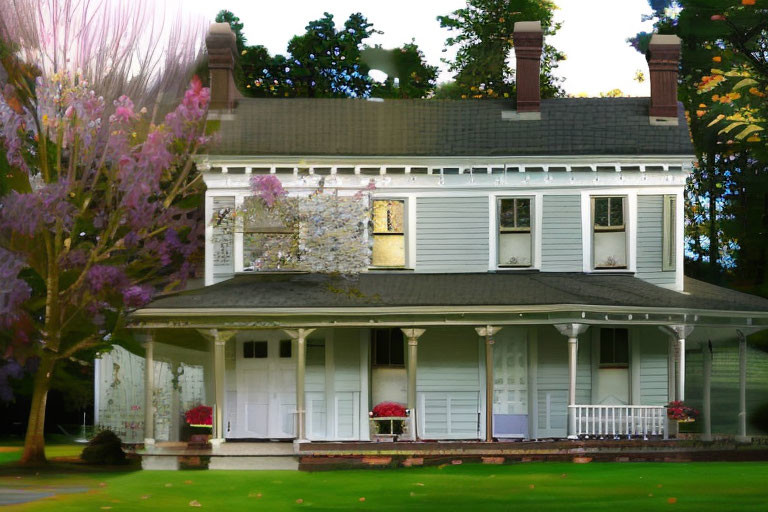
x,y
269,292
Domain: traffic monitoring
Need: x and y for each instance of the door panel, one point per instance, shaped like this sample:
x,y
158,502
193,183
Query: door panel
x,y
510,386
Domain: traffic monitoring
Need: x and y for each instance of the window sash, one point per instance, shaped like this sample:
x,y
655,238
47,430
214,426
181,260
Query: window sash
x,y
614,350
392,227
610,224
521,225
669,234
520,221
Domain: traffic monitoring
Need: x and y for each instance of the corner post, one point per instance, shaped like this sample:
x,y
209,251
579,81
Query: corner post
x,y
412,335
706,356
488,332
149,388
572,331
300,335
742,436
680,332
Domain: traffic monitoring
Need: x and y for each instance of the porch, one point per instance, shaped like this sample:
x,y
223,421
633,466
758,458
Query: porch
x,y
469,372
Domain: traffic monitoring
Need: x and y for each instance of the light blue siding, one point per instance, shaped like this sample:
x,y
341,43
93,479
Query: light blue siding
x,y
452,234
448,383
561,244
650,215
653,366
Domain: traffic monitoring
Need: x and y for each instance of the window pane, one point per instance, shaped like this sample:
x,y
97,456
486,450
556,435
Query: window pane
x,y
396,348
610,249
260,349
606,346
507,213
285,348
388,251
523,207
621,346
380,347
515,249
269,251
388,216
601,211
617,211
248,350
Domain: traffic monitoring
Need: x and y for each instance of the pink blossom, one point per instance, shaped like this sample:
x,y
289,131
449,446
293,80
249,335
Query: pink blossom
x,y
268,187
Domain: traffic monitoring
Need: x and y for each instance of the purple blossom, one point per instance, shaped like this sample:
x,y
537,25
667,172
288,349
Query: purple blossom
x,y
268,187
101,277
13,290
137,295
10,370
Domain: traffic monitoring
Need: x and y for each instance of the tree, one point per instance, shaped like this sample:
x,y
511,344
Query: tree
x,y
101,203
322,62
723,86
484,42
415,78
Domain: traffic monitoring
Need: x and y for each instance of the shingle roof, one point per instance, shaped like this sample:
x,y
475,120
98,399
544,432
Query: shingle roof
x,y
374,289
354,127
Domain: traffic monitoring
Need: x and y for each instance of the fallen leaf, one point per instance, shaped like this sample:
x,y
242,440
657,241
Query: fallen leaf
x,y
563,475
187,482
169,485
671,500
299,501
659,486
195,503
650,495
102,484
531,486
420,484
413,493
362,499
145,497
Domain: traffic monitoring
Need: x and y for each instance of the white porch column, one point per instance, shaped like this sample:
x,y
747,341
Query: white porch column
x,y
488,332
149,387
413,335
706,356
300,335
742,436
680,332
572,331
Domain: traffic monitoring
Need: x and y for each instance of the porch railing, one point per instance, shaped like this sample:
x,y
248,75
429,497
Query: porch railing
x,y
620,420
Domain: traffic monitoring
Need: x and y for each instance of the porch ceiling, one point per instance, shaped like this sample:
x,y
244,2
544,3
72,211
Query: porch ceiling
x,y
450,298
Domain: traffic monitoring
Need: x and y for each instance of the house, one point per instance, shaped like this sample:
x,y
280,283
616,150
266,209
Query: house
x,y
525,281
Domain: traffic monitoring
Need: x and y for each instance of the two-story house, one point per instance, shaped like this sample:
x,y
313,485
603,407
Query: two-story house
x,y
526,271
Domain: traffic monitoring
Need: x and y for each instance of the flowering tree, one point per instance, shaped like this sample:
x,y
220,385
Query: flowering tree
x,y
99,207
320,232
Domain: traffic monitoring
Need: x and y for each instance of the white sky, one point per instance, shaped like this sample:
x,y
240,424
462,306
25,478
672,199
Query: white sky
x,y
592,36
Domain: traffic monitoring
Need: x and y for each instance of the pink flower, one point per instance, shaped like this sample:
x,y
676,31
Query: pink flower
x,y
268,187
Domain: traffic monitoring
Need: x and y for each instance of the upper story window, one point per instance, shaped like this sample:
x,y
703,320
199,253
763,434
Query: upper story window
x,y
609,232
388,233
515,243
669,240
268,243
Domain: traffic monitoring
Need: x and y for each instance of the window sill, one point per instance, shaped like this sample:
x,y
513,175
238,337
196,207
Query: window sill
x,y
502,270
390,269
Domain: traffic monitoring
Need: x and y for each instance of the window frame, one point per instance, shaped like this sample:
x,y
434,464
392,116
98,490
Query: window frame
x,y
374,352
531,229
405,233
623,228
613,364
669,234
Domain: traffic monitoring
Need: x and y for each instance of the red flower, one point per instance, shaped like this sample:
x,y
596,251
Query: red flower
x,y
200,415
389,410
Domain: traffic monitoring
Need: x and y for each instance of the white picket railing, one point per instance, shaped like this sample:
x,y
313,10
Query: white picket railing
x,y
620,420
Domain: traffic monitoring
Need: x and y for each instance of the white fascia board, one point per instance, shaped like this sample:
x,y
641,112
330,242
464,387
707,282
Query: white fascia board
x,y
213,160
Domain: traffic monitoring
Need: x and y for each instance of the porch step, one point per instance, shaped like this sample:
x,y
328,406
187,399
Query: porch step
x,y
254,463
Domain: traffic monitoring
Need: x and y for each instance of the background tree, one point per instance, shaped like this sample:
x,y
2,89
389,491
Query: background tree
x,y
484,40
415,78
723,86
100,208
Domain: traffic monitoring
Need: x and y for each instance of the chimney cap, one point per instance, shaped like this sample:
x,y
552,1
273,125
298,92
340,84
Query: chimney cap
x,y
665,39
220,36
528,26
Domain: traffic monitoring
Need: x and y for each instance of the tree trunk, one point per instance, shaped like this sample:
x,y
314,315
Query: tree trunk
x,y
34,441
714,246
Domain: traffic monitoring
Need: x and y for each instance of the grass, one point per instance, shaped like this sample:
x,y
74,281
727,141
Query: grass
x,y
11,452
532,486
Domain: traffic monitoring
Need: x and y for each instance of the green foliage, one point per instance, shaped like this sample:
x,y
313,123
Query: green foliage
x,y
484,40
416,78
106,448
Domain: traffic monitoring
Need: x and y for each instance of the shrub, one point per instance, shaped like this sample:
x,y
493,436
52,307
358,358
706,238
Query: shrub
x,y
105,448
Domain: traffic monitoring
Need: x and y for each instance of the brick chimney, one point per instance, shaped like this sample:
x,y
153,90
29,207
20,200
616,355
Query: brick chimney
x,y
528,39
663,58
222,52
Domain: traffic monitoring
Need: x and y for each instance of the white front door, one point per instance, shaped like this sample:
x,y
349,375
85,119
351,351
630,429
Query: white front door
x,y
266,388
510,385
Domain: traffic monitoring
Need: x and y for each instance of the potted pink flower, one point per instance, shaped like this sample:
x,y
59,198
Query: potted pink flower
x,y
200,421
678,411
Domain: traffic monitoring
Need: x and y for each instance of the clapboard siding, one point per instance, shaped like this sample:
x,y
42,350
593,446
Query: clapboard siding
x,y
653,366
452,234
650,215
561,244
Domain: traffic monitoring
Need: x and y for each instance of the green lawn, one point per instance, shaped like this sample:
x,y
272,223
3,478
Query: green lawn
x,y
11,452
532,486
